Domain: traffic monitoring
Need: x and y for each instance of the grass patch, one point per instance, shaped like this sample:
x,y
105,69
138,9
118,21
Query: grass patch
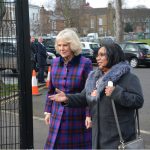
x,y
8,89
144,40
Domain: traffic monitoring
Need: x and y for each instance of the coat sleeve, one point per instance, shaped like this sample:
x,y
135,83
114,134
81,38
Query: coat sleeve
x,y
77,100
88,68
130,96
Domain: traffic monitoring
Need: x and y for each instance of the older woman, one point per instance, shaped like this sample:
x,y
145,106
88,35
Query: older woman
x,y
126,93
68,127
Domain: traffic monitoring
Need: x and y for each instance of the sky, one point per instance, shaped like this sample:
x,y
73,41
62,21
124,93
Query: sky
x,y
128,3
103,3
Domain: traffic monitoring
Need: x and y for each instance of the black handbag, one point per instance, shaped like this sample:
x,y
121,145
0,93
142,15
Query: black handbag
x,y
138,143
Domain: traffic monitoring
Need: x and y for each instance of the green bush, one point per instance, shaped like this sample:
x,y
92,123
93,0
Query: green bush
x,y
8,89
144,40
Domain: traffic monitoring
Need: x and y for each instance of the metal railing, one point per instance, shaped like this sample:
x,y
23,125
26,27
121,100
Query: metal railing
x,y
16,124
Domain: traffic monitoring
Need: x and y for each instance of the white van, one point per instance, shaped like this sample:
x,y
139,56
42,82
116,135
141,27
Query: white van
x,y
91,46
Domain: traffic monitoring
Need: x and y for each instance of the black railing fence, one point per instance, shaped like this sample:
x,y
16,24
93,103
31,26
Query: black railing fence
x,y
16,124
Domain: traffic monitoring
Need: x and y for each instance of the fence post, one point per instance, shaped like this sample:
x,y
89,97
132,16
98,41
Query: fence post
x,y
25,102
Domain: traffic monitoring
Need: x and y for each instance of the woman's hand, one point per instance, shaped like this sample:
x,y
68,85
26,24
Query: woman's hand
x,y
94,93
59,97
47,118
88,122
109,90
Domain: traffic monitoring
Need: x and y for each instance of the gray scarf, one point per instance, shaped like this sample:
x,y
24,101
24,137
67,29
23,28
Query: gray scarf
x,y
114,74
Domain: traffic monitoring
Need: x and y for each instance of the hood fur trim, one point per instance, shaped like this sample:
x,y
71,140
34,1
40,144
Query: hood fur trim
x,y
115,73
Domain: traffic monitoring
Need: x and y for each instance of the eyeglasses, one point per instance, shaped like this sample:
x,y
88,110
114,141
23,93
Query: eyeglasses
x,y
101,55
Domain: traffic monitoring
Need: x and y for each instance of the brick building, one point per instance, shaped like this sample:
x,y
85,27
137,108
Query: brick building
x,y
8,26
139,19
83,18
99,20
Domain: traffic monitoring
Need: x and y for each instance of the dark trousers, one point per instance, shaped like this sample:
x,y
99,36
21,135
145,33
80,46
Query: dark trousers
x,y
33,63
41,74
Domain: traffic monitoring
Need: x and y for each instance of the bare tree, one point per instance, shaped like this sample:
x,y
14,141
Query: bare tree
x,y
119,28
64,7
49,4
35,27
112,2
69,9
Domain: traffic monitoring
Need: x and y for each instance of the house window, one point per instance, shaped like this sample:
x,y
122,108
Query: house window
x,y
100,21
54,25
100,30
92,23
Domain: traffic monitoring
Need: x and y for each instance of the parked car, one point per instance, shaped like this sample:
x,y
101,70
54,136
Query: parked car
x,y
50,56
107,40
137,53
91,46
88,53
8,55
51,52
49,43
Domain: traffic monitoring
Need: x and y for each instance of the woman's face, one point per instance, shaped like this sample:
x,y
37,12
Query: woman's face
x,y
102,59
64,49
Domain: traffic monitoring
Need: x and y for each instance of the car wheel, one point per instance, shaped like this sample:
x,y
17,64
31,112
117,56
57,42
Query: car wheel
x,y
134,62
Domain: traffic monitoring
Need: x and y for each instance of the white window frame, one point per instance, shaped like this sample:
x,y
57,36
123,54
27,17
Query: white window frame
x,y
92,23
54,25
100,21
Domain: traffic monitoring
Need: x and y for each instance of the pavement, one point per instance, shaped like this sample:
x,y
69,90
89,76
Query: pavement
x,y
40,129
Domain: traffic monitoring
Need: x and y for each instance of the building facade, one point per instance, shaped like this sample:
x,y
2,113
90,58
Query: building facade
x,y
83,18
34,19
97,20
8,26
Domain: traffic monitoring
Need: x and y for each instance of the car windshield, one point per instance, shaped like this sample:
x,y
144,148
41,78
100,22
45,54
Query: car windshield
x,y
144,46
85,50
48,42
122,45
7,49
92,46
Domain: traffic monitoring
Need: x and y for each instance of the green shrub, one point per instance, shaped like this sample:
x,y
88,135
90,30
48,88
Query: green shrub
x,y
144,40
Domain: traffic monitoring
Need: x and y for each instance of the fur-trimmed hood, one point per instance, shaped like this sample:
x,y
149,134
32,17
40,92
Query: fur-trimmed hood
x,y
114,74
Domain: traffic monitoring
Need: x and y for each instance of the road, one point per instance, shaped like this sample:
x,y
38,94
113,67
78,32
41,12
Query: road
x,y
41,130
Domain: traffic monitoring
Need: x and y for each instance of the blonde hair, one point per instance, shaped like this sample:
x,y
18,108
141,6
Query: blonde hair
x,y
69,36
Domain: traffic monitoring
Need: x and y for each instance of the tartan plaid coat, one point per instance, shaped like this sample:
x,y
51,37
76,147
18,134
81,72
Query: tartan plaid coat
x,y
67,125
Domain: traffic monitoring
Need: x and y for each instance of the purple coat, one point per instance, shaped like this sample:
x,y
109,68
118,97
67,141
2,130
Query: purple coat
x,y
67,125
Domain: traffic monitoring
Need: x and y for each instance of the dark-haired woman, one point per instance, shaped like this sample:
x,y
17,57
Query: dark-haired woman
x,y
126,93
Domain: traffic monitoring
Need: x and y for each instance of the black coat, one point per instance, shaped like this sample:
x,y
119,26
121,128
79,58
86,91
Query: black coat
x,y
127,97
41,55
34,50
